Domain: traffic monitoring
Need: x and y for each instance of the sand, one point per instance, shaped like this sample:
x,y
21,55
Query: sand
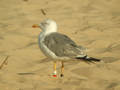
x,y
94,24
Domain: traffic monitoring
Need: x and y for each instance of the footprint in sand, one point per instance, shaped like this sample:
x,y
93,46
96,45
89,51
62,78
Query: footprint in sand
x,y
112,85
109,59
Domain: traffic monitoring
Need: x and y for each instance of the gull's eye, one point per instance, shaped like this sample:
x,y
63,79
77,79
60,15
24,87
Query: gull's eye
x,y
45,23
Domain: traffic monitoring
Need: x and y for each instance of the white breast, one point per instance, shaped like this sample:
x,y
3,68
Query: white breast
x,y
43,47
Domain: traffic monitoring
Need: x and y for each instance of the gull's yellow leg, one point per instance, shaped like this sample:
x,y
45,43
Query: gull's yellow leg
x,y
55,73
62,69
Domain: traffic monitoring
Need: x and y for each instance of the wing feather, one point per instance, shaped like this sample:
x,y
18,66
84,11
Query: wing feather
x,y
62,45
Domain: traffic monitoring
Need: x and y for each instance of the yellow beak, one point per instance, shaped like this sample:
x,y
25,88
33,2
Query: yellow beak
x,y
35,26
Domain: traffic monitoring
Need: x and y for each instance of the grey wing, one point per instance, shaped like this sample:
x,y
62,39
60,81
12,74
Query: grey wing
x,y
62,45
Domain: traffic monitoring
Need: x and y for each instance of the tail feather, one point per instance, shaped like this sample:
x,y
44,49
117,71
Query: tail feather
x,y
89,59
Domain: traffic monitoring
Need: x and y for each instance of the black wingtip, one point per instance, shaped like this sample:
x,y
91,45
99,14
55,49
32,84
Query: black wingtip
x,y
89,59
92,59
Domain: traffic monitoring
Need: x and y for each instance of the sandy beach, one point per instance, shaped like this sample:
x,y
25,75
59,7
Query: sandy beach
x,y
94,24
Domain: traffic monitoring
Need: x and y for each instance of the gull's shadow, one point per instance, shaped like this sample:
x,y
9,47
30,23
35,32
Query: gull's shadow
x,y
44,60
26,73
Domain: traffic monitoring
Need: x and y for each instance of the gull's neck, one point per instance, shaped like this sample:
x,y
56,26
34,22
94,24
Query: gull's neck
x,y
49,30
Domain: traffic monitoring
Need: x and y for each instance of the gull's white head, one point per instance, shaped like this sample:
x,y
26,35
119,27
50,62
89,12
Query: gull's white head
x,y
47,26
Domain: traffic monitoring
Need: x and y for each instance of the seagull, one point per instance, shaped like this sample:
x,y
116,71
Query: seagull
x,y
59,47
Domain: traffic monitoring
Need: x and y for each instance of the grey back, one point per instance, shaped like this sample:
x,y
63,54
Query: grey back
x,y
61,45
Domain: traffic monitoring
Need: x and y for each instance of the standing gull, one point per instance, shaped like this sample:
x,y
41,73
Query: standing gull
x,y
58,46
